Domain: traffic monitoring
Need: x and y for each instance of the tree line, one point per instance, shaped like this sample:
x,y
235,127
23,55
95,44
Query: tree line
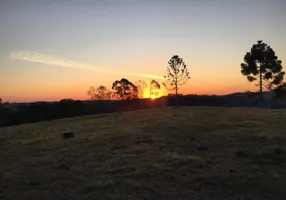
x,y
12,114
177,75
261,65
124,90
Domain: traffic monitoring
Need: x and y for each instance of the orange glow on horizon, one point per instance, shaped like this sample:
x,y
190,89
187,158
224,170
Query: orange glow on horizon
x,y
65,87
56,83
153,97
161,92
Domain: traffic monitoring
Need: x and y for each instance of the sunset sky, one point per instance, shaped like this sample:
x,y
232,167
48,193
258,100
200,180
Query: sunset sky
x,y
55,49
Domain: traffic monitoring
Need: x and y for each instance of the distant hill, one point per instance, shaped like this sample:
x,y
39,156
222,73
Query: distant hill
x,y
18,113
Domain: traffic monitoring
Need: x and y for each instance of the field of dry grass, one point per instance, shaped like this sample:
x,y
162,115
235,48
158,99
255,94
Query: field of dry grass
x,y
171,153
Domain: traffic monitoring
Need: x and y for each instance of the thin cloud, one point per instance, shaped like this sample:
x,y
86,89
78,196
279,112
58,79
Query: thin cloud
x,y
148,76
63,62
52,60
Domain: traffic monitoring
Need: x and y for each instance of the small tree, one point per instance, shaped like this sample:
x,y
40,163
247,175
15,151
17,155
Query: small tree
x,y
177,73
124,89
100,93
141,85
154,87
262,65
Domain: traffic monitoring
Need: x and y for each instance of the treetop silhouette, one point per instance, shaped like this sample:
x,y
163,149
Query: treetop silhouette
x,y
262,65
154,88
177,73
100,93
124,89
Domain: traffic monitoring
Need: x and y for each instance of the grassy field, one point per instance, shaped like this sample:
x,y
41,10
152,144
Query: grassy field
x,y
171,153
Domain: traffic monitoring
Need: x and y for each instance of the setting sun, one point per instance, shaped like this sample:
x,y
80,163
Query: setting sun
x,y
153,97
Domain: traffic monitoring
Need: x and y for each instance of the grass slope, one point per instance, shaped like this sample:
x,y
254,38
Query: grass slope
x,y
173,153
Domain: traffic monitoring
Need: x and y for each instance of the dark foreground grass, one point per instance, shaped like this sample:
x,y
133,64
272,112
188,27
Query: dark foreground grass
x,y
173,153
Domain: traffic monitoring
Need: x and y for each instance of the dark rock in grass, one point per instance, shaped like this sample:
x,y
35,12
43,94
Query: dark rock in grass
x,y
63,166
278,151
200,165
67,135
241,154
202,147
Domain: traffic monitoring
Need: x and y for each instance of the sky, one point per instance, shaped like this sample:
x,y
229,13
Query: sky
x,y
55,49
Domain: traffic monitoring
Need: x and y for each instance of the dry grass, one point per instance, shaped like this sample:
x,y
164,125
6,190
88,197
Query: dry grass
x,y
173,153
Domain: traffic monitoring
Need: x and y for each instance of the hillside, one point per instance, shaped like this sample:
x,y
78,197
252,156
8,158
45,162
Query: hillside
x,y
167,153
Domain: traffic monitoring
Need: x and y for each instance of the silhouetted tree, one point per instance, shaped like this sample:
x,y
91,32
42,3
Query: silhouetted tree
x,y
177,73
141,85
100,93
124,89
262,65
154,87
0,100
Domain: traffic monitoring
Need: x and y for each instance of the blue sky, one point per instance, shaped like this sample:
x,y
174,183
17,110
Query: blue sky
x,y
134,37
